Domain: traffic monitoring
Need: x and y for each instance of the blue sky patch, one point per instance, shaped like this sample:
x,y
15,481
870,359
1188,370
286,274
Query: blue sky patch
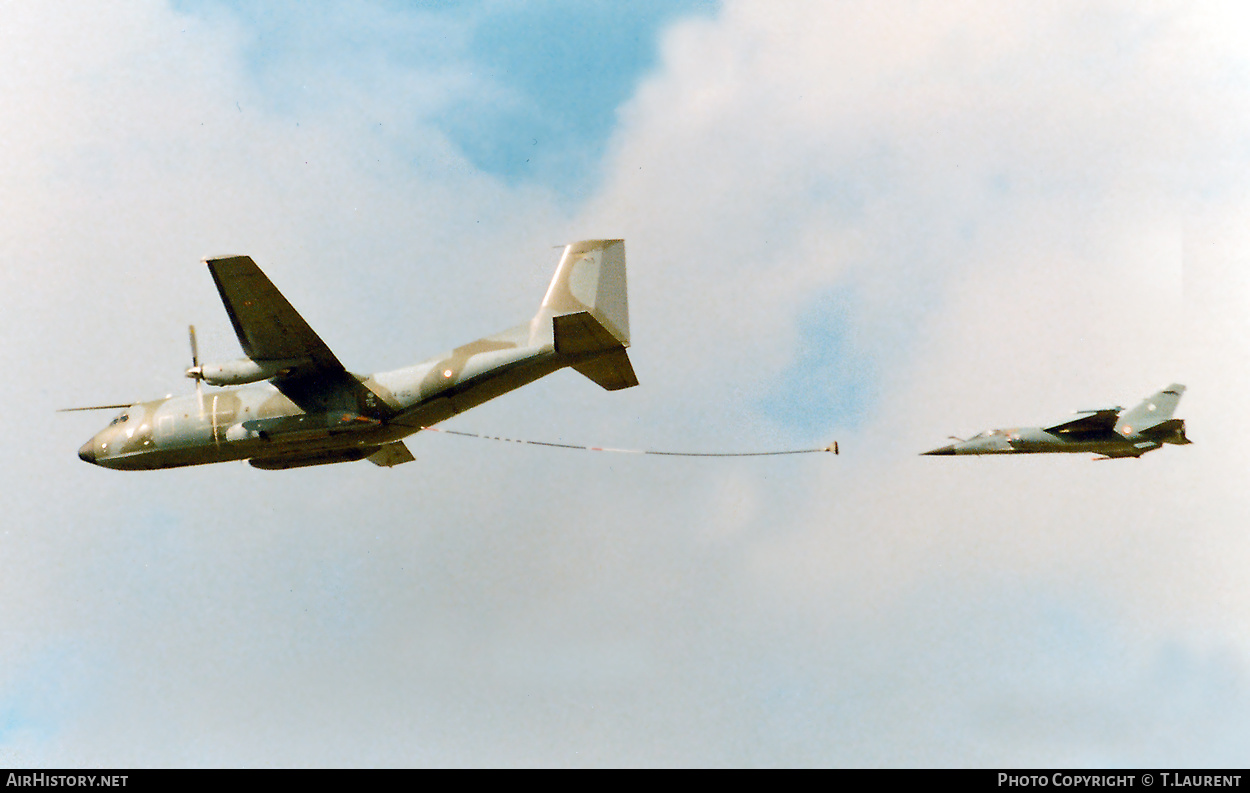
x,y
542,80
45,690
833,379
566,66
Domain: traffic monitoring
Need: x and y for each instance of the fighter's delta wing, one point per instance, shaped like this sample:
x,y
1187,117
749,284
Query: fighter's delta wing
x,y
271,331
1091,422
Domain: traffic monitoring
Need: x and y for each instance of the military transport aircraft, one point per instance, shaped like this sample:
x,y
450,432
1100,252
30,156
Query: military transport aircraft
x,y
312,411
1110,432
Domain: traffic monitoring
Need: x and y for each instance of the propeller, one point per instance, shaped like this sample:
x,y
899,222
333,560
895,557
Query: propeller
x,y
196,372
95,407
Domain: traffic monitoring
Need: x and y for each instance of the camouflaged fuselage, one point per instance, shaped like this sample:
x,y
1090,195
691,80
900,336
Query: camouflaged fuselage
x,y
1035,440
1109,432
313,412
257,421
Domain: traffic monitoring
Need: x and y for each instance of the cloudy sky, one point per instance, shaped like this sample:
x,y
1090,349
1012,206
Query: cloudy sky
x,y
881,223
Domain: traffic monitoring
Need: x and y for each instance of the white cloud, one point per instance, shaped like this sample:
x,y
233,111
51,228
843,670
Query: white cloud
x,y
1034,207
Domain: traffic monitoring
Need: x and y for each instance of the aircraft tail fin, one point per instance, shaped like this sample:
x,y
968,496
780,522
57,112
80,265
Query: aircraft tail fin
x,y
1156,410
591,278
588,309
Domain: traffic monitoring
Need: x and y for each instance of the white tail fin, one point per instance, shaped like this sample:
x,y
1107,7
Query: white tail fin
x,y
591,278
1155,410
588,309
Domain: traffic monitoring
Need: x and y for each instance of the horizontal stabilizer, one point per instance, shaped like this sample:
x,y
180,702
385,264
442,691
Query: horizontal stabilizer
x,y
604,359
611,370
581,333
391,454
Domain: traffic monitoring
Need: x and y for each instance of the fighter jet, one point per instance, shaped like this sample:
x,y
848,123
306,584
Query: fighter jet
x,y
312,411
1108,432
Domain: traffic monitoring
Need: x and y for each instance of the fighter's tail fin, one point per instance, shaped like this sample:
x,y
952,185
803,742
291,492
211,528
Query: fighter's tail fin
x,y
1155,412
589,312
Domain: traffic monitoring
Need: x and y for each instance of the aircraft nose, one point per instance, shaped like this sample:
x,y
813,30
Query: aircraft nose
x,y
87,452
942,451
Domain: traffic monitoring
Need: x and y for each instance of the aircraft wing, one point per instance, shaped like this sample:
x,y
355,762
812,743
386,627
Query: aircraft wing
x,y
270,329
1090,422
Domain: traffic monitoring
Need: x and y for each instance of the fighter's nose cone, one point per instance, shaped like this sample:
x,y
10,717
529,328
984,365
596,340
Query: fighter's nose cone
x,y
942,451
87,453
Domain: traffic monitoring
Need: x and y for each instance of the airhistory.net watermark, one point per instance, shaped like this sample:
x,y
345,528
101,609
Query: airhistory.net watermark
x,y
39,779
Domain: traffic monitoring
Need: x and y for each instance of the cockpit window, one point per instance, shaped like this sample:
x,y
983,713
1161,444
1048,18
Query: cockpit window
x,y
123,417
990,433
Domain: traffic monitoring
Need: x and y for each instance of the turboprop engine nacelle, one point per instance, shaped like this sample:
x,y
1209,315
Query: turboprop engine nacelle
x,y
238,372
